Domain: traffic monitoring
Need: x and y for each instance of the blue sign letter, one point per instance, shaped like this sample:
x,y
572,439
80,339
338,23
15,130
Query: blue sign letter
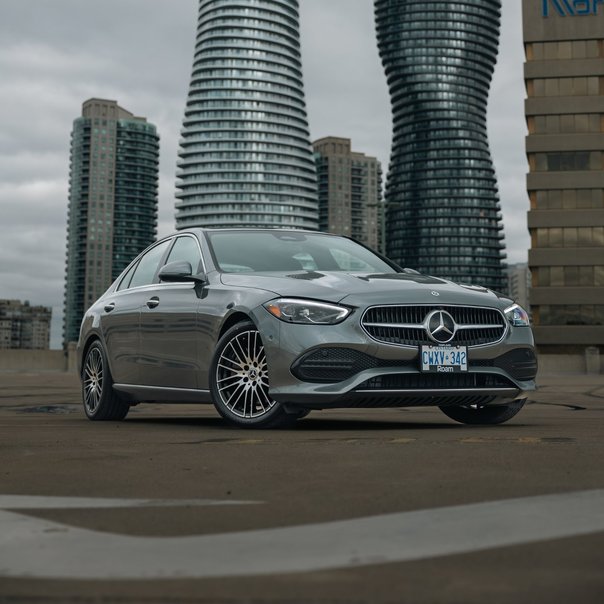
x,y
557,6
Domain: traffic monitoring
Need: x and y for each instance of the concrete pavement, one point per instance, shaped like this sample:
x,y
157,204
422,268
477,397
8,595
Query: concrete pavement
x,y
340,466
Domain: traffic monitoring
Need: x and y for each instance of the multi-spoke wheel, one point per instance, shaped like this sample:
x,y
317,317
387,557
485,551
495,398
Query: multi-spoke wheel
x,y
476,414
101,402
239,381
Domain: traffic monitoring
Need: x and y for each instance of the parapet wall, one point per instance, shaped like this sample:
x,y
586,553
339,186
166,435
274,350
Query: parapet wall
x,y
38,360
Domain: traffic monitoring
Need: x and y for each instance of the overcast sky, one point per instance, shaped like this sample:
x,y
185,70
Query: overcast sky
x,y
56,54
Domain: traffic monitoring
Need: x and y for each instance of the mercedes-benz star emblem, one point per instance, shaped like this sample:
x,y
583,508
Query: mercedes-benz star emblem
x,y
440,326
434,293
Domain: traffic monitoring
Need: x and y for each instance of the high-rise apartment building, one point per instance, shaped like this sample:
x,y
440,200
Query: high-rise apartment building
x,y
245,154
564,73
443,213
350,185
112,202
24,326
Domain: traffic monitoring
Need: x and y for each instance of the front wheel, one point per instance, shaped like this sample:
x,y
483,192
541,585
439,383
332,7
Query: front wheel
x,y
239,381
101,402
475,414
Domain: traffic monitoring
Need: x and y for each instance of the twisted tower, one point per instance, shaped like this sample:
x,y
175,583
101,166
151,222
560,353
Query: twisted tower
x,y
245,154
443,210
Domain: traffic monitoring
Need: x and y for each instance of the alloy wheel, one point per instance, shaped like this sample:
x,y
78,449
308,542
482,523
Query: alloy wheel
x,y
242,376
93,380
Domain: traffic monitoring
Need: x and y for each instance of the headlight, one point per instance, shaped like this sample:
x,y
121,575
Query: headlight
x,y
517,316
306,311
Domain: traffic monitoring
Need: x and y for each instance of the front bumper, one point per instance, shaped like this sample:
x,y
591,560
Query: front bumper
x,y
391,377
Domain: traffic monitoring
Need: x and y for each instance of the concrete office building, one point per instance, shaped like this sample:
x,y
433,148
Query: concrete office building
x,y
350,185
564,73
23,326
443,213
245,154
112,202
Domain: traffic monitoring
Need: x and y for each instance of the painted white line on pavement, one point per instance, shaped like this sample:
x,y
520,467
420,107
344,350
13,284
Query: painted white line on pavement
x,y
43,502
30,547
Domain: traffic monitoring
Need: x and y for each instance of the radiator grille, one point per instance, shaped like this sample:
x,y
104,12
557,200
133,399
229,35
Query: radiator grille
x,y
404,325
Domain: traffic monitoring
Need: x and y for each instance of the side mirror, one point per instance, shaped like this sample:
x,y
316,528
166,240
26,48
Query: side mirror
x,y
179,272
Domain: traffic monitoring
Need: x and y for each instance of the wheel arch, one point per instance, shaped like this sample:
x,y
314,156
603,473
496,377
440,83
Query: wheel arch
x,y
234,319
90,340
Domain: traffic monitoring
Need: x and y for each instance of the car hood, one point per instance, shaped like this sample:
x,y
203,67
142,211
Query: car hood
x,y
365,289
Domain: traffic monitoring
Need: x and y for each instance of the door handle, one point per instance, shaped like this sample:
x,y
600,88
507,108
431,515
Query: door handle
x,y
109,307
153,302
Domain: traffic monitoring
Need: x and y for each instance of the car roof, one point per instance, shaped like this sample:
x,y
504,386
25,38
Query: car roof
x,y
198,230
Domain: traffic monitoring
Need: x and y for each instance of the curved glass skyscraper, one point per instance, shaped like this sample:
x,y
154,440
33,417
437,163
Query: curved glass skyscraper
x,y
443,210
245,154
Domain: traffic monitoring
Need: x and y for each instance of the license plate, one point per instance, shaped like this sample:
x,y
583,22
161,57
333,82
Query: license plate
x,y
444,359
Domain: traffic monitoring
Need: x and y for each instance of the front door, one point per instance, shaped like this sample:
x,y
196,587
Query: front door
x,y
168,332
169,325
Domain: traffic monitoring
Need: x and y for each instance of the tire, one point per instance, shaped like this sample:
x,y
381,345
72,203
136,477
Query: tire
x,y
495,414
239,381
100,401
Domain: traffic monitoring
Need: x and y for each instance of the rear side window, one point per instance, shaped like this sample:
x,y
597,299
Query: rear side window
x,y
147,266
125,282
186,250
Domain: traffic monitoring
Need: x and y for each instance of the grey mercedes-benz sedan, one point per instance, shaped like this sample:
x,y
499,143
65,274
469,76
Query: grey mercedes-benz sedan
x,y
271,324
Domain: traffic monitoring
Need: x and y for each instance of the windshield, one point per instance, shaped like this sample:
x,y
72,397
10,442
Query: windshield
x,y
279,251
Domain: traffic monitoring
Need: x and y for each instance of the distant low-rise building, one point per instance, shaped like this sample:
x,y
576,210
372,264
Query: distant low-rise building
x,y
519,283
24,326
350,185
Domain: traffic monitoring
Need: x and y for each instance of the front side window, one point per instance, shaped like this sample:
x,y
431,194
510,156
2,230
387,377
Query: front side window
x,y
147,266
185,249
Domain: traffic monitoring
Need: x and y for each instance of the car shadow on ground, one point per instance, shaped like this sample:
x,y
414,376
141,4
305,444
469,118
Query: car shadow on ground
x,y
312,424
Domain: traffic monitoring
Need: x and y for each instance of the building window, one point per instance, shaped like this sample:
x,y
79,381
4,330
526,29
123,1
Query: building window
x,y
569,237
554,87
567,199
569,276
552,51
567,161
582,123
571,314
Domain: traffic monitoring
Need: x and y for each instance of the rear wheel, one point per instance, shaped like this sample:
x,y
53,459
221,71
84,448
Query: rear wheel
x,y
101,402
489,415
239,381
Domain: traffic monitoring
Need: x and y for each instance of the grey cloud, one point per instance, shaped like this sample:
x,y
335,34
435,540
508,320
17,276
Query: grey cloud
x,y
507,130
17,168
54,55
346,89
